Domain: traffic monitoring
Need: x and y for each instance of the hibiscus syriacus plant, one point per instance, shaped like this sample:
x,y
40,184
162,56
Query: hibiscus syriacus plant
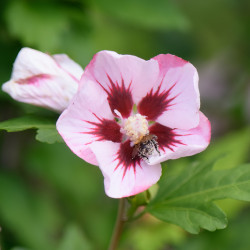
x,y
129,115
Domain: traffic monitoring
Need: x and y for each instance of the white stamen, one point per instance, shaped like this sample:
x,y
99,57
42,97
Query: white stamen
x,y
135,127
118,113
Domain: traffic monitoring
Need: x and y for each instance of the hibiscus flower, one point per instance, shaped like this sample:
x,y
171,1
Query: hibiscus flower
x,y
129,115
43,80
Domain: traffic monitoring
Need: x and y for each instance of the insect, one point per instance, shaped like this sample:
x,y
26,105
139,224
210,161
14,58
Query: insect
x,y
146,147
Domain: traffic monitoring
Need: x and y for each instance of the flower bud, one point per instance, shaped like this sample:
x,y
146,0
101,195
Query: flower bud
x,y
43,80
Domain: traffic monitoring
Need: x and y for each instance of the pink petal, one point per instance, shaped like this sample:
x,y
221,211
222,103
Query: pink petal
x,y
30,62
184,142
137,178
42,90
124,78
173,100
88,119
39,80
69,66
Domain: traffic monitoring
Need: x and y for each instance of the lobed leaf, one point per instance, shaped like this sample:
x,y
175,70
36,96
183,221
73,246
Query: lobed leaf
x,y
187,199
234,145
46,129
48,135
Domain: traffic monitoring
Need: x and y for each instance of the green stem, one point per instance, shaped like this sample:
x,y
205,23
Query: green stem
x,y
120,220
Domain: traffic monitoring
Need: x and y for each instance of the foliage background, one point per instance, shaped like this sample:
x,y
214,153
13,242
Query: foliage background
x,y
50,199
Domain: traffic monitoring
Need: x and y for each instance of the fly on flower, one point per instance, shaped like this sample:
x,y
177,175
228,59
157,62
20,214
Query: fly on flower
x,y
146,147
43,80
129,115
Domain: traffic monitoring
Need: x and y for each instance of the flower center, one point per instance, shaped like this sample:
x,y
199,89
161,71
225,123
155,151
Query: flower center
x,y
136,127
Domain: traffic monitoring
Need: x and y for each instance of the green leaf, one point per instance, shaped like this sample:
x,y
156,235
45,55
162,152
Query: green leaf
x,y
74,239
234,237
235,147
159,14
48,135
186,199
23,123
46,129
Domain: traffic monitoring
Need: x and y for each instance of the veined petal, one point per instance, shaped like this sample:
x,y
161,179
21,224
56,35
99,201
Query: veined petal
x,y
173,100
41,80
122,178
176,143
88,119
69,66
30,62
124,78
41,90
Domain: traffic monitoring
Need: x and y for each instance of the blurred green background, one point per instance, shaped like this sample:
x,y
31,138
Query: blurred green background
x,y
49,198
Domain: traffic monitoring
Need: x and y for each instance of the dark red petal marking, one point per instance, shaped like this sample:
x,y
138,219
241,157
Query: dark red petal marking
x,y
155,104
34,79
166,136
105,130
124,157
119,97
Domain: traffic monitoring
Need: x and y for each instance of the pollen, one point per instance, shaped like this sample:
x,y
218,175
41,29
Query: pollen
x,y
136,127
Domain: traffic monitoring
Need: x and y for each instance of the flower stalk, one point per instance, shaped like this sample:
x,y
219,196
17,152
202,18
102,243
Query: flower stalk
x,y
120,220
